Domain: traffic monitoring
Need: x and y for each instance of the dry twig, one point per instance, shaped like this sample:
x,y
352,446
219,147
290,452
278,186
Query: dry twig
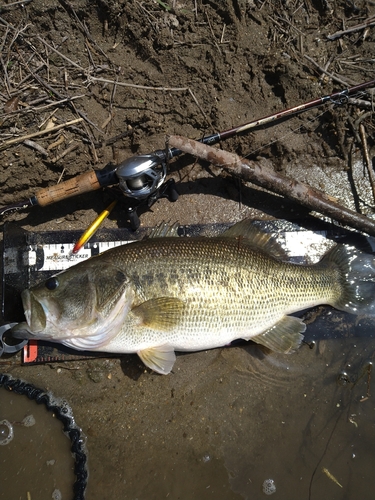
x,y
69,102
362,104
366,157
62,55
146,87
335,78
70,9
369,22
14,4
36,146
134,86
30,108
262,174
17,140
66,151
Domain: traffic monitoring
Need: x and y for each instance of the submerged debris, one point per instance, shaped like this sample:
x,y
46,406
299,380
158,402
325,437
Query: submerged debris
x,y
28,421
269,487
6,432
331,476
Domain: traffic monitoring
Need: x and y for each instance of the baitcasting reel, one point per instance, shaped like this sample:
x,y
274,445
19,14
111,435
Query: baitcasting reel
x,y
142,178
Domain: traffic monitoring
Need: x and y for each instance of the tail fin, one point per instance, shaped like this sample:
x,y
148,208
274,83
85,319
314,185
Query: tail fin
x,y
357,274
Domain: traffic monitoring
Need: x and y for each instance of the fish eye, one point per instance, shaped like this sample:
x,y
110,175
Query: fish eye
x,y
52,283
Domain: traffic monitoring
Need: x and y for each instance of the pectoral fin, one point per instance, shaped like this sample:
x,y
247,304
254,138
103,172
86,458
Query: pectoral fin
x,y
160,359
284,337
162,313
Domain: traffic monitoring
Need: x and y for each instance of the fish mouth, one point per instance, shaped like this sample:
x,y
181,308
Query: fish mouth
x,y
21,331
34,313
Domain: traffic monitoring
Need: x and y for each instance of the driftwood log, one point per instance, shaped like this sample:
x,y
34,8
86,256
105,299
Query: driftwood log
x,y
262,174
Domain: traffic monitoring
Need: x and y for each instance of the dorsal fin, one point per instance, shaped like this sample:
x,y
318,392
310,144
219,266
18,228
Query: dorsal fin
x,y
256,238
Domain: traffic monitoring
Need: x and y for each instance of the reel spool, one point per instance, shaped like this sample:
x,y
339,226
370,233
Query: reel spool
x,y
142,178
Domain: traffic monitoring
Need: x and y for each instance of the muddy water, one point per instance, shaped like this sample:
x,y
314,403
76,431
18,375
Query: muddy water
x,y
301,421
221,425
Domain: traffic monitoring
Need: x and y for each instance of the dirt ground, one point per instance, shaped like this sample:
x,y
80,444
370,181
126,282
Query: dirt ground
x,y
135,72
207,66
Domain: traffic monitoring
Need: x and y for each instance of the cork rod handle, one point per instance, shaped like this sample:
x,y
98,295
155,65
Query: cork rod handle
x,y
77,185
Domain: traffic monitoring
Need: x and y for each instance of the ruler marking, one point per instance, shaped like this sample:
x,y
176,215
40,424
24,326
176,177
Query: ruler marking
x,y
58,257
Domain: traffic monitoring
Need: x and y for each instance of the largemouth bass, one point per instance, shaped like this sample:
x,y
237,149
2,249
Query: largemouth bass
x,y
187,294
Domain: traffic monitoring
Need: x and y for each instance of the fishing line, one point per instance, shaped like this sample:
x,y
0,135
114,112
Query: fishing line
x,y
325,450
291,132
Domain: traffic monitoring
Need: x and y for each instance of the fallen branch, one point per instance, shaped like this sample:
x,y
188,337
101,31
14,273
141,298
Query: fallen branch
x,y
262,174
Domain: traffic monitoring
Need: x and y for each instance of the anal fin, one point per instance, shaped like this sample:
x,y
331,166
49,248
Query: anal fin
x,y
160,359
283,337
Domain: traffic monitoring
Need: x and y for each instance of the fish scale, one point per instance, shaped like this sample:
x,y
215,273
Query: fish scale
x,y
230,290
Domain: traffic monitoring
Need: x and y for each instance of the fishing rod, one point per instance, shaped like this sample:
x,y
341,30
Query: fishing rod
x,y
142,177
